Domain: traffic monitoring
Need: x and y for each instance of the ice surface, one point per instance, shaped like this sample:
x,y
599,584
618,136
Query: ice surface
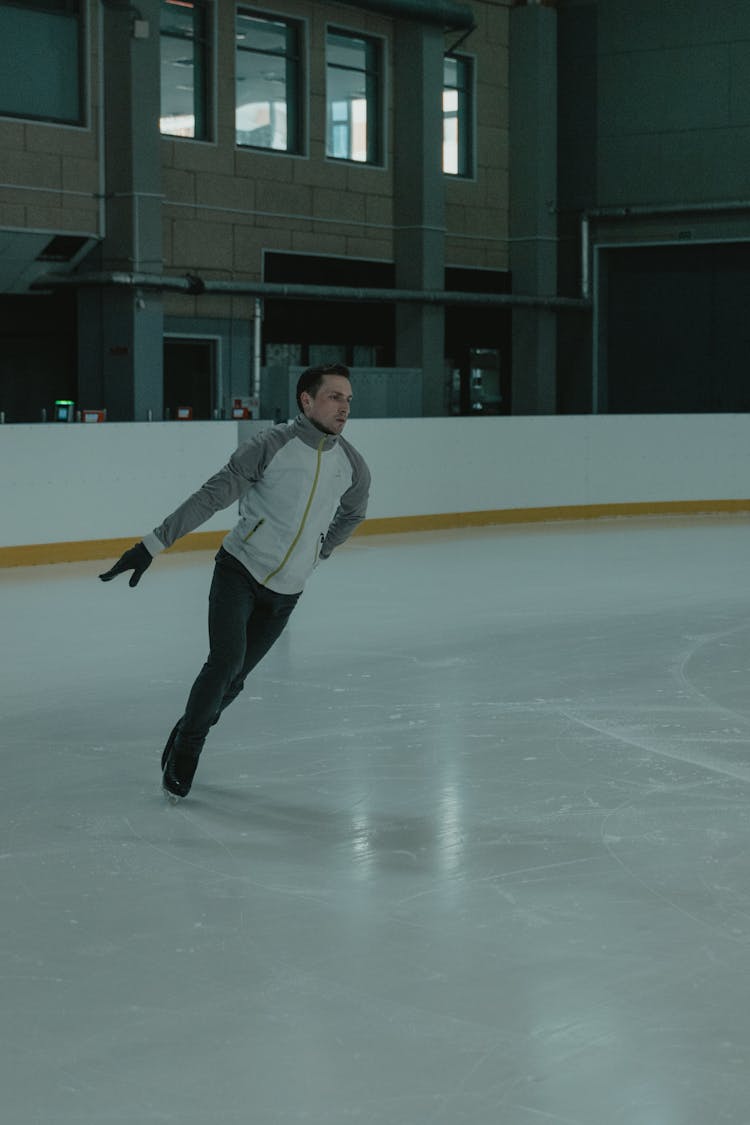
x,y
471,849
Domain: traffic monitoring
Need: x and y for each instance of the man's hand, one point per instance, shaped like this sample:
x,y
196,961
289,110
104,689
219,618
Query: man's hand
x,y
136,559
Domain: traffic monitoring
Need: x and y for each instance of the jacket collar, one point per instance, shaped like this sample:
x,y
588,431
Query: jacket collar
x,y
307,432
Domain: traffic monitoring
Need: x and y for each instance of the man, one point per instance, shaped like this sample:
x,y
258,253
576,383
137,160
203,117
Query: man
x,y
302,490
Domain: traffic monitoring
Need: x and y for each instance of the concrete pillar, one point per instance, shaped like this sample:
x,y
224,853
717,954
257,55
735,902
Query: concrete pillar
x,y
120,353
533,194
419,203
121,331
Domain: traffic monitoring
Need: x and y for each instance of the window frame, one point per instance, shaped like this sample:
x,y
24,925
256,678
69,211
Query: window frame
x,y
378,146
466,152
208,134
298,146
79,12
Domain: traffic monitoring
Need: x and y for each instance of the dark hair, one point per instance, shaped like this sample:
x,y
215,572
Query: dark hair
x,y
311,379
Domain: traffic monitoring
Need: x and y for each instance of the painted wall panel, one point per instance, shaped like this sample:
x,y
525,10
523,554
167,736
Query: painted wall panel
x,y
683,88
670,23
739,56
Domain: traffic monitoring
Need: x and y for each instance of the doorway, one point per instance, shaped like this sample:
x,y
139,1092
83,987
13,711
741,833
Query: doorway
x,y
191,377
677,335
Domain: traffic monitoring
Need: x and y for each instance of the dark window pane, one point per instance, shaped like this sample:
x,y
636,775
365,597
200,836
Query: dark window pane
x,y
41,73
457,117
267,83
184,66
345,50
262,35
353,98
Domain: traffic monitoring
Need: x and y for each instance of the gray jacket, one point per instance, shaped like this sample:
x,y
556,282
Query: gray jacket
x,y
301,493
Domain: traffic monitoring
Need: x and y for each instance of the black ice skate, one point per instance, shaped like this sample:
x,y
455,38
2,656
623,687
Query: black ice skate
x,y
170,743
179,771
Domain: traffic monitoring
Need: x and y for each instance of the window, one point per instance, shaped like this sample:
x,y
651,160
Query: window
x,y
41,76
458,155
184,69
353,86
268,77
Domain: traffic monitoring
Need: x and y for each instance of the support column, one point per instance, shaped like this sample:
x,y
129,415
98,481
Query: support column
x,y
533,194
121,330
419,203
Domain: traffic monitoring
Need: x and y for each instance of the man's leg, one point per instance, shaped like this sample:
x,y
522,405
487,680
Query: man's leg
x,y
264,627
230,606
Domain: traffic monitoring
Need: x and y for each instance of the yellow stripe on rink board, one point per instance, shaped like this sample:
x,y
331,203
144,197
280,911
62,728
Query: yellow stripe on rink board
x,y
43,554
446,520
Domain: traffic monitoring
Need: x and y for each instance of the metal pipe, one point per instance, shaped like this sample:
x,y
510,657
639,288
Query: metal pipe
x,y
101,141
667,209
585,251
644,210
445,13
195,286
257,321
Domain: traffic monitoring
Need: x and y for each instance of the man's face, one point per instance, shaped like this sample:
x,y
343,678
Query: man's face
x,y
329,409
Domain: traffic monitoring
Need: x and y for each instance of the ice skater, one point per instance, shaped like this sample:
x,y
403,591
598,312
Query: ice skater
x,y
302,490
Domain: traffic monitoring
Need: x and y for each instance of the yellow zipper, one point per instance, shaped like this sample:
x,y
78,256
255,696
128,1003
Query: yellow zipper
x,y
305,514
253,530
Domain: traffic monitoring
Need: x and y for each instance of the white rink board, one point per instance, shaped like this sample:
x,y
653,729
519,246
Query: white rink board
x,y
67,483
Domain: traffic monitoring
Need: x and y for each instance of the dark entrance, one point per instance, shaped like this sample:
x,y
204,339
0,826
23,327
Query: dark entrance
x,y
189,376
677,330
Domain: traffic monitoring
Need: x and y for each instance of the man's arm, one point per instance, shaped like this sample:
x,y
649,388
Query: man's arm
x,y
219,491
244,468
352,506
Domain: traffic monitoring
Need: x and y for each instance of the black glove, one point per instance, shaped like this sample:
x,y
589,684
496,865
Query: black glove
x,y
136,559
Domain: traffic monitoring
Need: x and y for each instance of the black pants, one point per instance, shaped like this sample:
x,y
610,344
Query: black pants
x,y
244,620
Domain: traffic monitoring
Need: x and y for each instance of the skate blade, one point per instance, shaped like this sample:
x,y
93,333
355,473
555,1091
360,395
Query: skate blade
x,y
172,798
